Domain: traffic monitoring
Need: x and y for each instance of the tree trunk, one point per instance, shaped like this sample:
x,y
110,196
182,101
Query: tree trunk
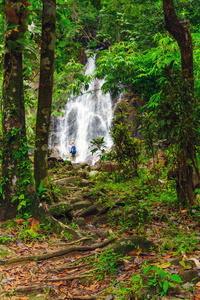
x,y
45,93
184,186
180,30
16,174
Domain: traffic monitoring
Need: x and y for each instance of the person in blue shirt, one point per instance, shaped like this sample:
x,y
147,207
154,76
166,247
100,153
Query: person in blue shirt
x,y
72,152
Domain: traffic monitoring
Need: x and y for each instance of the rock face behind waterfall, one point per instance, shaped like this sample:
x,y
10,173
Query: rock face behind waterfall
x,y
86,117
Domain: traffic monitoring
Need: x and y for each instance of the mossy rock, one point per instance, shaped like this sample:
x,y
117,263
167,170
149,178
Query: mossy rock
x,y
126,245
137,215
81,204
92,210
60,209
65,181
190,276
5,251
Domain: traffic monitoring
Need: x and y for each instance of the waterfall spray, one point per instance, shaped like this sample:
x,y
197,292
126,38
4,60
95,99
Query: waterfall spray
x,y
86,117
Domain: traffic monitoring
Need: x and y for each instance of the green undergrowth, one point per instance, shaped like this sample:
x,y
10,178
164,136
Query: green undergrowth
x,y
174,231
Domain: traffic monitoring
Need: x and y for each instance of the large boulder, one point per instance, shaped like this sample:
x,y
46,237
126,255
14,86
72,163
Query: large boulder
x,y
61,209
126,245
92,210
65,181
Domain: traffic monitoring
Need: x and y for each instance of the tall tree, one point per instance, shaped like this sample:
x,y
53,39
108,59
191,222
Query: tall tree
x,y
16,175
180,30
45,93
186,159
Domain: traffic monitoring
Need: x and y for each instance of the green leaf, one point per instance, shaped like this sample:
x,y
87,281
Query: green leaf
x,y
134,279
175,278
146,270
169,122
11,45
162,122
165,286
21,197
22,41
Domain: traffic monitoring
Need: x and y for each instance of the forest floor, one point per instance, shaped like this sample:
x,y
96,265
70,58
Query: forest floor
x,y
162,259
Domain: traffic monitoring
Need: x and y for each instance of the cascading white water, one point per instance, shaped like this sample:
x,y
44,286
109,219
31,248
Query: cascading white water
x,y
86,117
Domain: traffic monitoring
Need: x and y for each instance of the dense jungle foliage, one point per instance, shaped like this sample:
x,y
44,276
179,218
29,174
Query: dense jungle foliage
x,y
136,57
153,189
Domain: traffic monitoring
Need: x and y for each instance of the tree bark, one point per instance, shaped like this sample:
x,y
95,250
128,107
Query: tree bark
x,y
45,93
16,174
180,30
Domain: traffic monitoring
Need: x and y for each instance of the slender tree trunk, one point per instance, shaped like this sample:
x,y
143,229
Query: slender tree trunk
x,y
45,93
180,30
16,174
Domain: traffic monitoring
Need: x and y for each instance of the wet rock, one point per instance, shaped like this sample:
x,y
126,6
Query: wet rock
x,y
84,183
78,194
82,165
81,204
81,173
93,173
5,281
61,209
92,210
75,200
65,181
87,168
126,245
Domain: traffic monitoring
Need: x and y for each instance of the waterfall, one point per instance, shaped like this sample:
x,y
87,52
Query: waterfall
x,y
86,117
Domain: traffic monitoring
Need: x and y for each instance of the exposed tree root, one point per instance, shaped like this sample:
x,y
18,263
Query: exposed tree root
x,y
72,277
64,267
31,288
56,253
72,243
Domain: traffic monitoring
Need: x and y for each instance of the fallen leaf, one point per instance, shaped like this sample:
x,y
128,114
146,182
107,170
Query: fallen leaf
x,y
163,266
198,284
20,221
136,252
33,224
